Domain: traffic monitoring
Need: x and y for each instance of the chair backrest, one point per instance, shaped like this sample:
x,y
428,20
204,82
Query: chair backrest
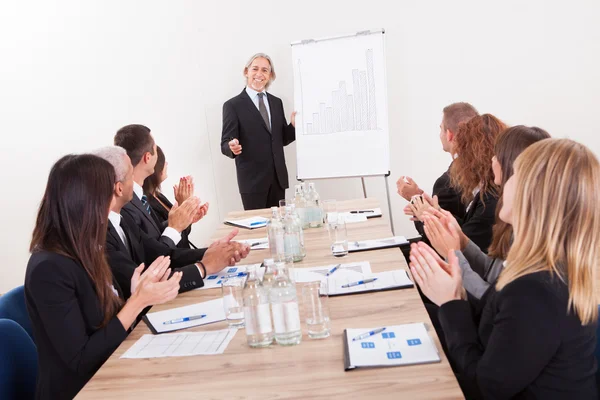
x,y
18,362
12,306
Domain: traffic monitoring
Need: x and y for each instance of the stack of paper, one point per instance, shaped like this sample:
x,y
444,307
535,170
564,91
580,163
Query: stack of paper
x,y
214,281
181,344
385,243
165,321
344,284
396,345
248,223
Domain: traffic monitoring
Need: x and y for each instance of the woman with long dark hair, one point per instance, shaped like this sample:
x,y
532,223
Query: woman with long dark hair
x,y
76,310
160,203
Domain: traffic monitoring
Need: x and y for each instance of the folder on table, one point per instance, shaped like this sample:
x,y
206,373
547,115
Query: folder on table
x,y
407,344
376,244
248,223
388,280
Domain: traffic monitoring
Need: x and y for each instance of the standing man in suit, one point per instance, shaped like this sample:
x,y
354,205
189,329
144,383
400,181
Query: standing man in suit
x,y
254,133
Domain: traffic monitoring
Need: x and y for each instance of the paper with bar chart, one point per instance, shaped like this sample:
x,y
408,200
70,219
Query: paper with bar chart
x,y
341,100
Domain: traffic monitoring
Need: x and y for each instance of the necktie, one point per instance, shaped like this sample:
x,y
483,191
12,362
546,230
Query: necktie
x,y
263,110
146,204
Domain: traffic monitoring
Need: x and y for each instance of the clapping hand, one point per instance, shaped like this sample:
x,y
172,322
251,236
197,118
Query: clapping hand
x,y
157,271
407,188
184,190
441,282
202,211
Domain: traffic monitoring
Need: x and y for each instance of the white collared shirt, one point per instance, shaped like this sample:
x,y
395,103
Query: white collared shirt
x,y
115,220
169,232
254,97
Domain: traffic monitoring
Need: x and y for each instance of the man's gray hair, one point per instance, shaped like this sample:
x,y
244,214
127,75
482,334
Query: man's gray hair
x,y
266,57
117,157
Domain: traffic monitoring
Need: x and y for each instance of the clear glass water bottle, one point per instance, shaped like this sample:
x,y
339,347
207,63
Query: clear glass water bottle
x,y
269,275
299,224
284,304
275,234
300,203
316,211
257,313
291,236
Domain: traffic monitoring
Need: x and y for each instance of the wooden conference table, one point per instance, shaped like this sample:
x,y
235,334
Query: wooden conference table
x,y
312,370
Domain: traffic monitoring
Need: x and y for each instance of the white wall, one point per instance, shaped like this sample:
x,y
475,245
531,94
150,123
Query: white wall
x,y
73,72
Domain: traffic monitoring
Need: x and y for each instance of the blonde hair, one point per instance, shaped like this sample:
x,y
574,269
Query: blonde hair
x,y
556,220
266,57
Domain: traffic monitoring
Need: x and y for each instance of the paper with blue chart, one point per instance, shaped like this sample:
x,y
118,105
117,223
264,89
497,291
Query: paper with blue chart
x,y
214,280
396,345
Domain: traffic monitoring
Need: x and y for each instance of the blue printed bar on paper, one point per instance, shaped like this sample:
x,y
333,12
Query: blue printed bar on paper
x,y
367,345
392,355
414,342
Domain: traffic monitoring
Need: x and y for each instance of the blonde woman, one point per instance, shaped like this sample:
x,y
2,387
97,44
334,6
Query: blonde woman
x,y
536,334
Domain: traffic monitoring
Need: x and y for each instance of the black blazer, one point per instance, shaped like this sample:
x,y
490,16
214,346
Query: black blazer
x,y
147,223
448,199
479,220
262,150
144,249
161,215
65,315
527,345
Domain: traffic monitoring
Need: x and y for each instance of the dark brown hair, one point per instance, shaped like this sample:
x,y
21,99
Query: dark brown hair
x,y
456,114
136,140
509,145
73,217
152,183
474,144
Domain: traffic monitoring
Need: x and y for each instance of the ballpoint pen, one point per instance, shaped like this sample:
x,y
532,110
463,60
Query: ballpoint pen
x,y
367,334
332,270
257,243
236,275
364,281
258,223
184,319
362,212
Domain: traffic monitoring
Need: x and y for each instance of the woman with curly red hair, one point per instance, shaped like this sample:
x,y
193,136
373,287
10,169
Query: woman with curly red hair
x,y
471,173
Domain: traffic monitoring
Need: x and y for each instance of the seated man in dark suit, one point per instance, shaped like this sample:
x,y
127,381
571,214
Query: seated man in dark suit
x,y
448,197
127,245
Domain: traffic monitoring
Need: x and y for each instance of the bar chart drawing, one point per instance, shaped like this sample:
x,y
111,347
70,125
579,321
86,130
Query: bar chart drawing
x,y
351,107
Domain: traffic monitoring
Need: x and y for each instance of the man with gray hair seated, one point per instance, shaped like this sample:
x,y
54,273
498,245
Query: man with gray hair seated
x,y
127,246
254,133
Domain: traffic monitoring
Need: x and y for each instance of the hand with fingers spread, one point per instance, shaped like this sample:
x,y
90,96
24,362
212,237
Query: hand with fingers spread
x,y
202,211
418,205
223,254
181,216
441,234
441,282
184,190
157,271
407,188
449,221
150,292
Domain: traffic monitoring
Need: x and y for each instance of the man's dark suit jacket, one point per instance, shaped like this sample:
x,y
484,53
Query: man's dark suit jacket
x,y
144,249
161,216
262,150
448,199
65,314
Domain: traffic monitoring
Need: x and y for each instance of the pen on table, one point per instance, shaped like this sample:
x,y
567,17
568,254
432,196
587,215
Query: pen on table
x,y
367,334
364,281
258,223
184,319
362,212
257,243
236,275
332,270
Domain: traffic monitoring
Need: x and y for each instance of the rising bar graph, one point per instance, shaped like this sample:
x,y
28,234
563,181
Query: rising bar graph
x,y
345,111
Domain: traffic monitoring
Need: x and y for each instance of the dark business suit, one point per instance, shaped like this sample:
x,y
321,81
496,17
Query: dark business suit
x,y
527,344
65,314
448,199
261,172
479,220
144,249
161,216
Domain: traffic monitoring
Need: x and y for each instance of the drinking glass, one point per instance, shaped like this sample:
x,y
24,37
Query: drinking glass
x,y
233,301
330,211
338,236
316,310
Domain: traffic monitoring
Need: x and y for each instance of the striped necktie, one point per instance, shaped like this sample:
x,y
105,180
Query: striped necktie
x,y
146,204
